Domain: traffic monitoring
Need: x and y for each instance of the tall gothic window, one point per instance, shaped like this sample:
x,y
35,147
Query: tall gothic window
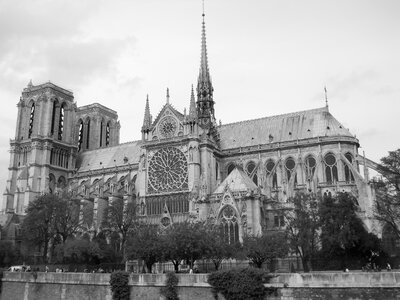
x,y
271,173
231,167
53,116
331,172
229,227
108,134
101,133
252,172
348,175
61,122
80,135
290,166
31,118
88,134
310,165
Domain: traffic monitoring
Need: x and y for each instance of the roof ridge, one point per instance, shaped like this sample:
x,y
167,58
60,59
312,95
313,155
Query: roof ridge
x,y
275,116
110,147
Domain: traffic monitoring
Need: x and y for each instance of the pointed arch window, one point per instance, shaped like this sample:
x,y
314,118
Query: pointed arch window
x,y
80,135
53,116
101,133
88,134
61,122
31,118
348,174
290,166
310,164
108,134
331,172
252,172
230,168
229,227
271,174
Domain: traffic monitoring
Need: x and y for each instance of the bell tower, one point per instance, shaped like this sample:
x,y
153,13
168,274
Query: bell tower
x,y
43,152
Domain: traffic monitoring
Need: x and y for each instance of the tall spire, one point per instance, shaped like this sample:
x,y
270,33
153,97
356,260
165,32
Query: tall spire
x,y
205,102
192,107
147,116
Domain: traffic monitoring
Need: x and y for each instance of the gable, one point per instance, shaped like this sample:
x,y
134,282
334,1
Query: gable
x,y
169,123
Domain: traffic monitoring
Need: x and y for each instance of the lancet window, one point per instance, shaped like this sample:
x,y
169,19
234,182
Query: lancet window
x,y
331,172
229,227
348,174
88,134
31,118
290,166
230,168
61,122
108,134
252,172
80,135
272,177
310,164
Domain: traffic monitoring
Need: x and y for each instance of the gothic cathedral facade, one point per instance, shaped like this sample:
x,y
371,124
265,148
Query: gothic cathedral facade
x,y
186,166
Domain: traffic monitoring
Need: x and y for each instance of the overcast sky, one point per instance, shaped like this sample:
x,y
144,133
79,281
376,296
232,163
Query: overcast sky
x,y
266,58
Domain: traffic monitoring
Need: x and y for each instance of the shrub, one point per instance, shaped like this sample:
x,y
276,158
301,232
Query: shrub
x,y
170,289
238,284
119,285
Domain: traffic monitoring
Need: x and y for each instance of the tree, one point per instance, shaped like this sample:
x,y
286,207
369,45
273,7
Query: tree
x,y
302,225
50,219
67,221
343,234
38,225
145,244
217,248
265,248
184,241
79,250
387,206
120,219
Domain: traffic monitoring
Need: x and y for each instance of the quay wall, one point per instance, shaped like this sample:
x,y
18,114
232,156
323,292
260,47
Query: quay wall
x,y
290,286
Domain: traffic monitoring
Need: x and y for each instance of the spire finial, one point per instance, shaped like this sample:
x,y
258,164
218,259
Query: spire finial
x,y
326,96
167,95
147,116
192,107
30,84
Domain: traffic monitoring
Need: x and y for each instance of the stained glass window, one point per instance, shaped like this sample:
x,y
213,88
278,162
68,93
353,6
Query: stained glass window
x,y
168,171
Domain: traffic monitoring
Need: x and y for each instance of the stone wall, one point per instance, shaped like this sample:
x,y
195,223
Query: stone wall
x,y
77,286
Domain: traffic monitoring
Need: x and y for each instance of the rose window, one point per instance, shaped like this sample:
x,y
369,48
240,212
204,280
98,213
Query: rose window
x,y
167,127
167,171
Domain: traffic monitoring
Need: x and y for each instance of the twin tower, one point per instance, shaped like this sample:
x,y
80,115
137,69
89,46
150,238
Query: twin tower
x,y
50,133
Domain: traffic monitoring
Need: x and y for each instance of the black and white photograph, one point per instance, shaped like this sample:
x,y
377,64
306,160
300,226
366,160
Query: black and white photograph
x,y
200,149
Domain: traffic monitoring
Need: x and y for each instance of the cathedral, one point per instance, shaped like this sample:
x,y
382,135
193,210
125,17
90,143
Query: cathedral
x,y
186,165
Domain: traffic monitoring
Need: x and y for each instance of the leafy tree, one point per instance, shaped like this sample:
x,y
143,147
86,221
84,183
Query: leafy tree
x,y
66,222
302,225
120,219
50,219
7,253
79,250
145,244
184,241
343,234
217,248
38,226
265,248
387,206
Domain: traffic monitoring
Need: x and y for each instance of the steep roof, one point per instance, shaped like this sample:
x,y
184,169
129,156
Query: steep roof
x,y
109,157
237,180
287,127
